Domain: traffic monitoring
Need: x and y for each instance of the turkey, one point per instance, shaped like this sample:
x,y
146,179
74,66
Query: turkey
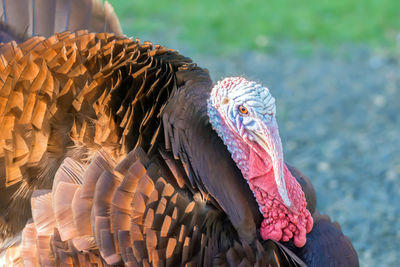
x,y
127,154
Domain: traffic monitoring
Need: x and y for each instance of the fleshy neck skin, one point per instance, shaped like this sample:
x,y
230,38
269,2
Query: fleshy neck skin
x,y
254,144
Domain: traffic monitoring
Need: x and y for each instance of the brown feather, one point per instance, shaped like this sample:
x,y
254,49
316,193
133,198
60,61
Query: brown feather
x,y
166,227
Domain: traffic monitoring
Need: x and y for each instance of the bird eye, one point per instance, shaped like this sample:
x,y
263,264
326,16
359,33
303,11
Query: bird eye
x,y
243,110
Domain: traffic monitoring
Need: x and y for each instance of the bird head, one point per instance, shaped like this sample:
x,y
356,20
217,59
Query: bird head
x,y
243,113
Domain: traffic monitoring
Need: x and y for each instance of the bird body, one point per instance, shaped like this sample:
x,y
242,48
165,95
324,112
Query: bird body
x,y
109,145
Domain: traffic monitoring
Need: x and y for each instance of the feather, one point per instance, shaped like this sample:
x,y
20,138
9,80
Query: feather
x,y
81,209
70,171
111,20
62,11
39,144
124,244
78,18
42,212
13,255
99,164
103,194
18,13
23,18
28,245
45,253
63,196
85,243
43,18
104,237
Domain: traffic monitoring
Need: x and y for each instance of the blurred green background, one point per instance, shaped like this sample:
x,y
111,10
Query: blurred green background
x,y
229,25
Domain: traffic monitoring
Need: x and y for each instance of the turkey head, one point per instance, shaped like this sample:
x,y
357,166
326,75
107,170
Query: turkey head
x,y
243,114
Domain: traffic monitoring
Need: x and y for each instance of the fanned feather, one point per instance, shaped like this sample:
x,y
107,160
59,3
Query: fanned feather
x,y
21,19
43,18
63,196
17,13
70,171
42,212
136,219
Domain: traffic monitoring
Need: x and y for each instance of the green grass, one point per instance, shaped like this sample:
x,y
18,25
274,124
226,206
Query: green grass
x,y
258,24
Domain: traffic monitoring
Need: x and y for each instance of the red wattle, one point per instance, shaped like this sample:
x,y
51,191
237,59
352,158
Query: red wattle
x,y
280,222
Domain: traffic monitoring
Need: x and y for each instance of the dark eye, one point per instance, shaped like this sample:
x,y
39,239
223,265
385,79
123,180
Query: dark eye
x,y
243,110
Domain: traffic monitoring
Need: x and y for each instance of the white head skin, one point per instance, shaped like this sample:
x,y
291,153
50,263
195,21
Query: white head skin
x,y
243,114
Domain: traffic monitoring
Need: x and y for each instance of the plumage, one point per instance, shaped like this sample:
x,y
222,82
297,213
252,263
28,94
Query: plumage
x,y
109,139
41,204
21,19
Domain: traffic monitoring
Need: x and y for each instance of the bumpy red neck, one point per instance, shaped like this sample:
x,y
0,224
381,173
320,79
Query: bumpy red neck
x,y
280,223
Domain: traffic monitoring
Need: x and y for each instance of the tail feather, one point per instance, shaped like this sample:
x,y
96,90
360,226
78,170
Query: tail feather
x,y
42,213
43,18
62,12
81,209
28,245
18,14
111,20
98,19
78,16
64,193
12,256
70,171
45,253
21,19
137,219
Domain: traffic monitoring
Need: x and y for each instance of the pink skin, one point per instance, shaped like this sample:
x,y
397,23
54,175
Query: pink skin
x,y
280,223
257,151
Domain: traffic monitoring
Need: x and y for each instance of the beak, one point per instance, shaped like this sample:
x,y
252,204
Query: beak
x,y
268,138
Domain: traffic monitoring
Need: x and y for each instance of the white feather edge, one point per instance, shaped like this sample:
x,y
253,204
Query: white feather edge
x,y
63,196
42,212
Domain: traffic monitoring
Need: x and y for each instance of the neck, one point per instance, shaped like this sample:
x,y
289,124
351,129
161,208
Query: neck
x,y
280,223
